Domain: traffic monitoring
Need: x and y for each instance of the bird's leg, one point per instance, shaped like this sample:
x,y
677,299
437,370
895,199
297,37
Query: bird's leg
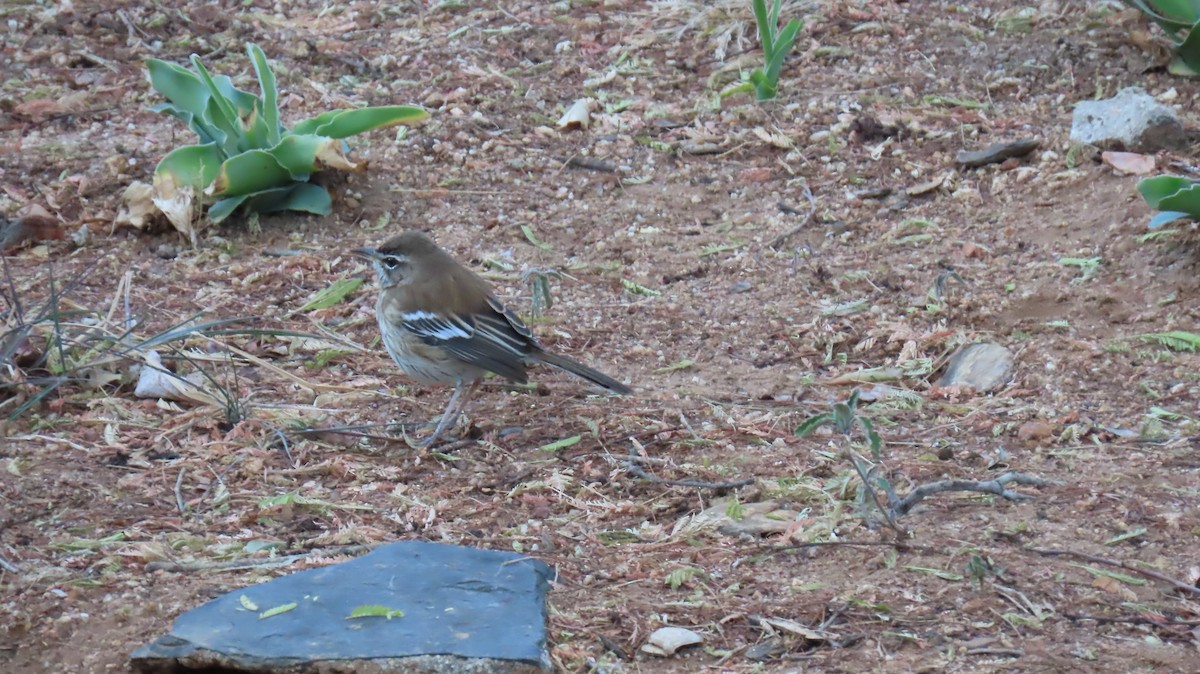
x,y
454,409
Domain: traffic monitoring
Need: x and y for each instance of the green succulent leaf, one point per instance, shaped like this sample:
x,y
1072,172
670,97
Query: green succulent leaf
x,y
1189,50
178,85
228,133
333,294
1172,15
1155,189
1164,218
256,131
1186,200
250,172
298,154
346,123
174,111
270,93
221,111
1181,69
776,45
243,102
193,165
304,197
223,208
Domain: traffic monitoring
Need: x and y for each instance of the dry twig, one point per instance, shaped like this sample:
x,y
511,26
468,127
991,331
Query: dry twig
x,y
179,492
903,506
1132,620
1153,575
812,210
888,513
588,164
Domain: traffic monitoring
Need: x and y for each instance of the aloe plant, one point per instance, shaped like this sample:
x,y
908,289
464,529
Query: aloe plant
x,y
246,156
1178,18
1175,197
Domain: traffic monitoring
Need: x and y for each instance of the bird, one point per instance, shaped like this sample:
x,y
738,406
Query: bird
x,y
442,324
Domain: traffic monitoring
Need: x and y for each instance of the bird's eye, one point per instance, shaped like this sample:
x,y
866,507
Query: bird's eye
x,y
391,262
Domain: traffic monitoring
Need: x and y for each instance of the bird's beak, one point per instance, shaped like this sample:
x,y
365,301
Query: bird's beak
x,y
366,253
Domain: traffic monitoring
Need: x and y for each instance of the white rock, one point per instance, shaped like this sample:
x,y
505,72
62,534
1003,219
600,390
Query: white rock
x,y
666,640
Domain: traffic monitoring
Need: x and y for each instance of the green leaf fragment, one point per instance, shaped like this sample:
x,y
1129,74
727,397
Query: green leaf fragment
x,y
346,123
272,612
1124,578
1119,538
1176,340
333,294
638,289
560,444
812,424
532,238
681,365
374,611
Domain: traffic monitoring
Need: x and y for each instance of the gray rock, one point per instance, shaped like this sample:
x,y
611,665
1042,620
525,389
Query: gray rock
x,y
1132,120
983,366
464,610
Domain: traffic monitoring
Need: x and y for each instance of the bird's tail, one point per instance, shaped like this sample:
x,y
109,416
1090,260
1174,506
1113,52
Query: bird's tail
x,y
579,369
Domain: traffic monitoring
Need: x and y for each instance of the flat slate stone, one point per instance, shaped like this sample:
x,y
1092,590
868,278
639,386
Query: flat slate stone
x,y
465,610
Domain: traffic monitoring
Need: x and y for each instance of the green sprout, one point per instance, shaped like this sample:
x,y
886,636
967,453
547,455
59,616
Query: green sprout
x,y
776,44
844,417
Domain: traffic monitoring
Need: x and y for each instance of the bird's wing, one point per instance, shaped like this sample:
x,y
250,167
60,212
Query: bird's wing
x,y
493,339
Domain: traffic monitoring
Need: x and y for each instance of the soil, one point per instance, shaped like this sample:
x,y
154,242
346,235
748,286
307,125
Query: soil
x,y
735,306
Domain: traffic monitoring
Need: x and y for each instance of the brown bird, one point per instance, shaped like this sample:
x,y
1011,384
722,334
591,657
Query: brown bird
x,y
441,324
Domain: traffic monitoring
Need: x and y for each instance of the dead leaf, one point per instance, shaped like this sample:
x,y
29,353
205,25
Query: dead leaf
x,y
796,628
578,116
926,187
1113,586
179,204
971,250
1035,431
779,140
137,206
38,110
155,381
329,153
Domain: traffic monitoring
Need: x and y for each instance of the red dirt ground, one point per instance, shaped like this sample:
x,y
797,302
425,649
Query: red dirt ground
x,y
106,499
